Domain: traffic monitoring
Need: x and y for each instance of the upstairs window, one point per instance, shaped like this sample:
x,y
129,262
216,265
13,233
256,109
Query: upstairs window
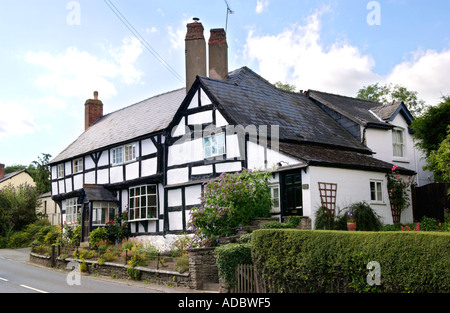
x,y
214,145
398,143
124,154
78,165
130,152
60,170
117,156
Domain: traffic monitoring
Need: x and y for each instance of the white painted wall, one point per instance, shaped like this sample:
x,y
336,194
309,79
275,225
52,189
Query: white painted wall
x,y
352,186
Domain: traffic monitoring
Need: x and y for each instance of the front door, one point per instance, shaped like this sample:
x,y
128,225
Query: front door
x,y
293,195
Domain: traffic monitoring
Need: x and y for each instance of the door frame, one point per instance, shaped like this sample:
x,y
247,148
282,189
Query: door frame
x,y
283,192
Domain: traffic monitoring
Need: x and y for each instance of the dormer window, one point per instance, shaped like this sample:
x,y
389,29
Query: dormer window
x,y
398,142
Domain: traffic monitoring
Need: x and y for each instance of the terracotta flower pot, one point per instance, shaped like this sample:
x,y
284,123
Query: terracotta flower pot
x,y
351,226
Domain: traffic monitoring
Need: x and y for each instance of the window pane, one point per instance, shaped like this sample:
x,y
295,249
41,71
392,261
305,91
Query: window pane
x,y
379,192
152,212
372,191
151,189
152,200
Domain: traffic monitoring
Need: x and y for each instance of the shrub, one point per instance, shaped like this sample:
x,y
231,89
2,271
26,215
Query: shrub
x,y
228,257
182,264
19,239
324,218
330,261
228,202
365,217
98,236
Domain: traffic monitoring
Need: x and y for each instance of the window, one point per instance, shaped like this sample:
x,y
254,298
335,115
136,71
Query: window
x,y
143,202
60,170
397,142
214,145
117,155
130,153
103,212
72,210
123,154
275,193
376,191
78,165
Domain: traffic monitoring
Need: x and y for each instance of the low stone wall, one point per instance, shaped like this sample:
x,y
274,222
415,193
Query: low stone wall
x,y
116,270
202,268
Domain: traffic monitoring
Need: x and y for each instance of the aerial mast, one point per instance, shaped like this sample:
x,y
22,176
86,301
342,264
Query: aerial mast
x,y
229,11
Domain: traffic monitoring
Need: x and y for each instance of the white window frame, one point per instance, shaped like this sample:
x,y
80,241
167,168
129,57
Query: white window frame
x,y
124,154
60,170
139,205
73,210
376,193
103,212
398,146
129,152
275,199
77,165
214,145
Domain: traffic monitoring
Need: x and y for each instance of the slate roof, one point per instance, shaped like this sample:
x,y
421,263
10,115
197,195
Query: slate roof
x,y
358,110
332,157
145,117
249,99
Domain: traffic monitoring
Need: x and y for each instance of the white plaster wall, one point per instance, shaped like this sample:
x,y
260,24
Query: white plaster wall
x,y
88,163
204,98
149,167
177,176
54,172
232,146
68,168
54,188
194,101
220,119
193,194
186,152
199,170
132,171
352,186
200,118
228,167
102,176
61,186
78,182
103,158
116,174
255,154
69,185
148,147
89,177
175,220
174,197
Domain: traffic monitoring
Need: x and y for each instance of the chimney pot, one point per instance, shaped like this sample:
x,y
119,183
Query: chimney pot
x,y
93,111
195,52
218,54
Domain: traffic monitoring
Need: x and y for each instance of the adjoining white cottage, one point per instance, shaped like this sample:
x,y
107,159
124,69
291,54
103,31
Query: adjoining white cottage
x,y
152,158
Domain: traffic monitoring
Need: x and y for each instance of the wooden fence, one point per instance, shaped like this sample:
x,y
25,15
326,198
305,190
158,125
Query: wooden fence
x,y
430,201
248,281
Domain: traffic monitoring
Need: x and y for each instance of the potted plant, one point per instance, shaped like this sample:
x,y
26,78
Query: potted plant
x,y
351,222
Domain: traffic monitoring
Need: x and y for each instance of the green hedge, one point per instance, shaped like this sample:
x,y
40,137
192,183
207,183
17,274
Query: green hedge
x,y
228,257
336,261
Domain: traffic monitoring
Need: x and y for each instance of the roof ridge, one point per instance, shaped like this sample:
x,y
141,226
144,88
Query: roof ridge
x,y
348,97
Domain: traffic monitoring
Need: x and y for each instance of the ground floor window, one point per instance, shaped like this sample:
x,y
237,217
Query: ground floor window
x,y
103,212
143,202
72,210
376,191
275,193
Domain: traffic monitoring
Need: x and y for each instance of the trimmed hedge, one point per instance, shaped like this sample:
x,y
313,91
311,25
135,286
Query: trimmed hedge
x,y
228,257
336,261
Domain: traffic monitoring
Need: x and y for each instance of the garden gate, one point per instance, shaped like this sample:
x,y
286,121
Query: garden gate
x,y
430,201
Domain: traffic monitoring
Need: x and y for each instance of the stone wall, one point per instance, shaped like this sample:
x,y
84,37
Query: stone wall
x,y
202,268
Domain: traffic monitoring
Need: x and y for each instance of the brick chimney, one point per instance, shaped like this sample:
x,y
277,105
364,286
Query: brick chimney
x,y
218,54
93,111
195,52
2,170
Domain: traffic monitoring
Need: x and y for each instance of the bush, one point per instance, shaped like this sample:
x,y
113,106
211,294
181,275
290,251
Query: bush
x,y
331,261
228,202
98,236
228,257
19,239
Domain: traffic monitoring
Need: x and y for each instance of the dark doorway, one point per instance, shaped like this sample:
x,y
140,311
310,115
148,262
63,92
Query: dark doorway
x,y
86,222
292,194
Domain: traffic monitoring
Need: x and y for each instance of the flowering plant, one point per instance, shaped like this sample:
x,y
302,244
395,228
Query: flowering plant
x,y
351,217
398,190
228,202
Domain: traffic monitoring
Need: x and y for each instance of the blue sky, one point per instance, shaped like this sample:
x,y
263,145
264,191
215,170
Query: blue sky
x,y
55,53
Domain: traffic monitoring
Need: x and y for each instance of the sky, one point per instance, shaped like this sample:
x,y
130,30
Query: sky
x,y
55,53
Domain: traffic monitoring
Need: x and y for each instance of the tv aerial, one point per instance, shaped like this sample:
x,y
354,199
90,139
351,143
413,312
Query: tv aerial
x,y
229,11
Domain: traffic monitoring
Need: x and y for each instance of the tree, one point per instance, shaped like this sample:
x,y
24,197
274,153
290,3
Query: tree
x,y
390,93
441,159
430,130
286,86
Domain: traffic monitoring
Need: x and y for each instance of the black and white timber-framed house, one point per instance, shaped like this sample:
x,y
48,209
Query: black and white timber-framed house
x,y
167,146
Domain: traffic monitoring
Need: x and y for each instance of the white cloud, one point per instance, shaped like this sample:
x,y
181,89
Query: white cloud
x,y
261,5
177,36
15,119
75,73
297,56
426,73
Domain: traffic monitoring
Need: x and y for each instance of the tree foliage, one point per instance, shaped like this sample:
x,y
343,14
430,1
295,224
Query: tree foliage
x,y
430,130
285,86
390,93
